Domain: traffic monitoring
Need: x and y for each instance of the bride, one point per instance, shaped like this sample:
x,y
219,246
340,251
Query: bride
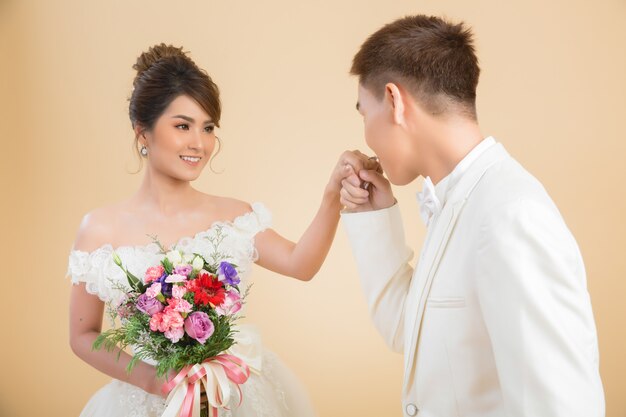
x,y
174,110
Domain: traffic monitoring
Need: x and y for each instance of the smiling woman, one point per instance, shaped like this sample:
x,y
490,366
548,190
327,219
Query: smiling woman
x,y
180,142
174,110
168,79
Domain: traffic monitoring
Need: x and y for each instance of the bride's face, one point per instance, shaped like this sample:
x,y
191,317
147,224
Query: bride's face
x,y
182,140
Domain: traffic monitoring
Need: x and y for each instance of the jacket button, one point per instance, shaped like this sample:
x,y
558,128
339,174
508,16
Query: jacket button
x,y
411,410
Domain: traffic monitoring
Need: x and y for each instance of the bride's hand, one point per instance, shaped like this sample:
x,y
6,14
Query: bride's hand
x,y
154,384
349,163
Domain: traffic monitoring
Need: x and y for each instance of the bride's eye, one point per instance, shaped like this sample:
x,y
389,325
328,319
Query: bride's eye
x,y
209,128
183,126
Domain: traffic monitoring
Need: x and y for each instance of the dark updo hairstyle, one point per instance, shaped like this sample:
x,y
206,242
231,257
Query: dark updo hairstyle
x,y
165,72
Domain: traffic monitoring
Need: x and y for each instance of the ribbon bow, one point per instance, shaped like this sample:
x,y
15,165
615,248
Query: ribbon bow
x,y
215,374
428,201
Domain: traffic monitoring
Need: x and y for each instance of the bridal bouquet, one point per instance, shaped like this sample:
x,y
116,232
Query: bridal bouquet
x,y
180,313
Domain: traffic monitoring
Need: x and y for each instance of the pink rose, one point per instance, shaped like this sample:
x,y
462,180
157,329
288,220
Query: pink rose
x,y
231,304
199,326
153,273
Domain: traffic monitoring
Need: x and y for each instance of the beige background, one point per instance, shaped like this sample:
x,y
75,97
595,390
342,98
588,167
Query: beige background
x,y
553,90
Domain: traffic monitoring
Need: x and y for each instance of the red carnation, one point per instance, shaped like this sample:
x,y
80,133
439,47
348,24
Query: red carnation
x,y
207,289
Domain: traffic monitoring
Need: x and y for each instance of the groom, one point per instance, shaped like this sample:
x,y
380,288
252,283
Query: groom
x,y
495,320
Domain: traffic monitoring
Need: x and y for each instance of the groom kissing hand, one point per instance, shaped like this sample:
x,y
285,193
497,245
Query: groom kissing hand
x,y
495,319
366,189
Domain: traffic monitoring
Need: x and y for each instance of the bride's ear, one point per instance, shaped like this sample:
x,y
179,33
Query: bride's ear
x,y
140,135
395,98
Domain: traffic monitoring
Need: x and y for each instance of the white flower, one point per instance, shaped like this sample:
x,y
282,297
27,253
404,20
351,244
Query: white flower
x,y
174,257
187,258
197,263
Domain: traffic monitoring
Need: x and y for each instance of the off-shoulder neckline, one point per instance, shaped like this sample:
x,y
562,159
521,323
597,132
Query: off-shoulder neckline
x,y
213,225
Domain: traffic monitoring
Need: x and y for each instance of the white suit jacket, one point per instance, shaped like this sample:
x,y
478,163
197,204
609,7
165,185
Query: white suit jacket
x,y
495,320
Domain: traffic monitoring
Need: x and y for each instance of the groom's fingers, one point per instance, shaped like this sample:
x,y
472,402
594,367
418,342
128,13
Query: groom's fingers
x,y
348,201
351,193
352,185
375,178
353,179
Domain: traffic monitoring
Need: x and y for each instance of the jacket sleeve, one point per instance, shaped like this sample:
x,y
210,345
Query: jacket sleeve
x,y
382,257
532,291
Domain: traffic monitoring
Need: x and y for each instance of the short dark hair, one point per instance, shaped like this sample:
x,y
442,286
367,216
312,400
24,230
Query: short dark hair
x,y
431,57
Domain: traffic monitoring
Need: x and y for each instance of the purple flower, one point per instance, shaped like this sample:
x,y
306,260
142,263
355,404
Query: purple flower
x,y
199,326
149,305
228,274
166,287
183,270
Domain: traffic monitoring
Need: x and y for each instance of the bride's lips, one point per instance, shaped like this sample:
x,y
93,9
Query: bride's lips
x,y
191,160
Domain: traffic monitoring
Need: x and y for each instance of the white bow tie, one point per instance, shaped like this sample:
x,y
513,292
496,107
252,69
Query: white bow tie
x,y
428,201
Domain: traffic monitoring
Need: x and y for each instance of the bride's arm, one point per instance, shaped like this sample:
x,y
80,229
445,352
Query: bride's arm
x,y
302,260
86,314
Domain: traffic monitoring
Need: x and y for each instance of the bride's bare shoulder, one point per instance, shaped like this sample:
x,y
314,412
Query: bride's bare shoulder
x,y
226,208
97,227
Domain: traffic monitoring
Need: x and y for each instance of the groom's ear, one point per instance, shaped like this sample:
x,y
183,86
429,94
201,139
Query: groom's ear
x,y
395,98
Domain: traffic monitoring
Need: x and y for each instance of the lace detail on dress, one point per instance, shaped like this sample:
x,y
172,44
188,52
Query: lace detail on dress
x,y
271,378
103,278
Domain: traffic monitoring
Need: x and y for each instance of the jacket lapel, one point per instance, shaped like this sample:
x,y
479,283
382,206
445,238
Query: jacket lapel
x,y
436,245
424,276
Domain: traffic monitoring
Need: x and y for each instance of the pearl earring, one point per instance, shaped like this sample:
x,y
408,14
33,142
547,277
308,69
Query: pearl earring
x,y
144,151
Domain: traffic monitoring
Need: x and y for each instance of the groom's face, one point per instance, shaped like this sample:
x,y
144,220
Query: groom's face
x,y
383,135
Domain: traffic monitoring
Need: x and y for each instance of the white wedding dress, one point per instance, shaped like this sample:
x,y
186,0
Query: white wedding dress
x,y
272,391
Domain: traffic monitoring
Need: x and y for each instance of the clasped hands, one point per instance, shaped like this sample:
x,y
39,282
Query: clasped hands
x,y
361,183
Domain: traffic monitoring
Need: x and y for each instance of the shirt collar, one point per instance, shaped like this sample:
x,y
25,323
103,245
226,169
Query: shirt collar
x,y
446,184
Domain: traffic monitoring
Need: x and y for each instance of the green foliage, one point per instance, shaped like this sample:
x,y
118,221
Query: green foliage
x,y
135,332
134,282
167,265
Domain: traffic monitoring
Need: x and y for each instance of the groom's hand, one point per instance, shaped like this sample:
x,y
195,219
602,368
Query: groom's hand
x,y
375,196
349,163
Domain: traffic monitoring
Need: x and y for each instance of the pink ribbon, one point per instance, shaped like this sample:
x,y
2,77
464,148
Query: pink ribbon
x,y
236,370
